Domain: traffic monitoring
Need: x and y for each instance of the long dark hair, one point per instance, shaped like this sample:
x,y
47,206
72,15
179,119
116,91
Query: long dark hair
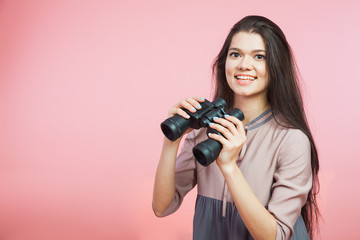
x,y
283,93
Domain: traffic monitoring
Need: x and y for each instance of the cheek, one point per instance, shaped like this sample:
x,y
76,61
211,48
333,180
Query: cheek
x,y
228,74
228,69
262,71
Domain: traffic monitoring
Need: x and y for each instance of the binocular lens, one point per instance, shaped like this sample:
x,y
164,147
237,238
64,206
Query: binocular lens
x,y
174,127
207,151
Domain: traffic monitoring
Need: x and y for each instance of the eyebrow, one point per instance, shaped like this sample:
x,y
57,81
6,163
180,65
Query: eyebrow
x,y
253,51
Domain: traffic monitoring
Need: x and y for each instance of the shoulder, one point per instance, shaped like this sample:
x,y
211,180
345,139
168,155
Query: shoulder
x,y
295,150
294,137
292,144
286,134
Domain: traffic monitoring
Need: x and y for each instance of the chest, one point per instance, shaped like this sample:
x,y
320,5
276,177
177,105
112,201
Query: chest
x,y
257,162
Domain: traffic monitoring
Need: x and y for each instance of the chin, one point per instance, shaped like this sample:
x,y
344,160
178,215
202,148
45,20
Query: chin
x,y
242,92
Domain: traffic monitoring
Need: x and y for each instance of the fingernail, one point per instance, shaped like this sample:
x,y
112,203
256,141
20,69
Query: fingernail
x,y
215,118
202,98
187,116
193,109
226,115
198,106
211,123
209,134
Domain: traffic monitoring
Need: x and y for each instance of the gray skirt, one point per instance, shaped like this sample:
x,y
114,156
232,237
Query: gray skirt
x,y
209,224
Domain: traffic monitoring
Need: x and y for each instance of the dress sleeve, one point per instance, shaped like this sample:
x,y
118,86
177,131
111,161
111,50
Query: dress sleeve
x,y
185,174
292,182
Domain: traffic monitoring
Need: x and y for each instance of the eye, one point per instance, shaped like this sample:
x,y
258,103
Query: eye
x,y
259,57
234,54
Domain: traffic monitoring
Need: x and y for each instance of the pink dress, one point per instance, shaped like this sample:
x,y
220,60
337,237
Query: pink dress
x,y
276,164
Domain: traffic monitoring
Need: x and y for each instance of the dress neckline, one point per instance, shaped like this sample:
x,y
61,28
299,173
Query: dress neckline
x,y
259,120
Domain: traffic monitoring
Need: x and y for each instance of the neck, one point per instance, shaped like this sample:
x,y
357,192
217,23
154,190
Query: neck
x,y
251,108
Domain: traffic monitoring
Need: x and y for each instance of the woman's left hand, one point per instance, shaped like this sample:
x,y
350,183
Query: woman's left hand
x,y
233,139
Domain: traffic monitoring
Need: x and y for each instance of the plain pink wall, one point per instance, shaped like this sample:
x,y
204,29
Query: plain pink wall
x,y
84,86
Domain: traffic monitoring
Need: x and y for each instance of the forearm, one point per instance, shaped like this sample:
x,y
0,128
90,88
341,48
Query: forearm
x,y
260,223
164,186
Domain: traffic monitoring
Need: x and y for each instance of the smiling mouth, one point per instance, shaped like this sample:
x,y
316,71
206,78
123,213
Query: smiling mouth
x,y
245,78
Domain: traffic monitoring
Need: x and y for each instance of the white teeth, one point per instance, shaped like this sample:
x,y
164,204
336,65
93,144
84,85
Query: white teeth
x,y
245,78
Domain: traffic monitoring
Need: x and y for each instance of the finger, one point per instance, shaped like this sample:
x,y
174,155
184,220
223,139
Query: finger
x,y
194,102
218,138
182,113
221,129
227,124
176,110
199,99
188,105
233,120
238,124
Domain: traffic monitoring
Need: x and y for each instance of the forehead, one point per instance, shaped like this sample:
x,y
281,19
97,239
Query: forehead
x,y
246,41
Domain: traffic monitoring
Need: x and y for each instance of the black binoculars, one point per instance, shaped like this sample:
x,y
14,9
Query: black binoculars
x,y
207,151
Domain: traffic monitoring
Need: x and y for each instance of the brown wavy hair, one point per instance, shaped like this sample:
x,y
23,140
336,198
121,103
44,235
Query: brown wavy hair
x,y
283,93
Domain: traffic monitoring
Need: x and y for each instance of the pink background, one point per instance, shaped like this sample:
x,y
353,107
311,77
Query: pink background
x,y
84,86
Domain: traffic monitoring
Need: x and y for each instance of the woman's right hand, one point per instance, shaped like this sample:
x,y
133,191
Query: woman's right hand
x,y
191,104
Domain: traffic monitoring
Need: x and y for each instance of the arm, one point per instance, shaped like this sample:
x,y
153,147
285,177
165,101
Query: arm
x,y
166,191
164,186
292,182
260,223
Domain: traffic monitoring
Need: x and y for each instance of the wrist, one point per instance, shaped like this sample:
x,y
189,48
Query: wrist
x,y
169,143
228,168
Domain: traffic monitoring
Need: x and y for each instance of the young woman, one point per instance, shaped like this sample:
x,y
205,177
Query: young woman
x,y
264,183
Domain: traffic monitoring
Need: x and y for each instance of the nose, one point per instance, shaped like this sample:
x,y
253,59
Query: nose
x,y
245,63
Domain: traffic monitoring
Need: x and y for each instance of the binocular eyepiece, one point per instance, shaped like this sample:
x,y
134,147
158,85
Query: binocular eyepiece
x,y
207,151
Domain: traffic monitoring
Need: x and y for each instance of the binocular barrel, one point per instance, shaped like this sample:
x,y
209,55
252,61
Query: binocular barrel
x,y
174,127
207,151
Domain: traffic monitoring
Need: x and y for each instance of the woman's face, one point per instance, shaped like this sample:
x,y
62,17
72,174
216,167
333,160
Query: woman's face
x,y
245,67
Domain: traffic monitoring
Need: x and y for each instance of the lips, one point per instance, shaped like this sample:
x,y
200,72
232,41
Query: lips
x,y
244,77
